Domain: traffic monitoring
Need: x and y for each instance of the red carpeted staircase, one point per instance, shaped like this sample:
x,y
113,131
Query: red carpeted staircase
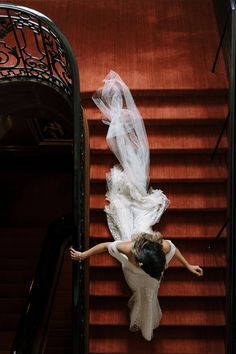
x,y
184,107
164,52
193,308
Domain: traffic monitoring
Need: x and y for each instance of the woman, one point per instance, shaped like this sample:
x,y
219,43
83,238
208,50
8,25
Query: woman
x,y
133,209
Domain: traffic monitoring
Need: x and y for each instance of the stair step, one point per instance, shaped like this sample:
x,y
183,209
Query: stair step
x,y
177,282
179,109
19,264
56,349
31,251
20,235
182,195
61,338
168,139
184,168
21,245
164,352
60,324
34,199
195,251
11,305
173,224
15,290
15,276
176,312
182,340
6,339
9,322
61,321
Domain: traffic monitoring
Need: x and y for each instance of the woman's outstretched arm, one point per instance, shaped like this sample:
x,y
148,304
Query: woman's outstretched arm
x,y
192,268
78,256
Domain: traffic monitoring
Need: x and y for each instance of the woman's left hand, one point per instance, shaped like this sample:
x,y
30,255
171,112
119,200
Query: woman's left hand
x,y
196,270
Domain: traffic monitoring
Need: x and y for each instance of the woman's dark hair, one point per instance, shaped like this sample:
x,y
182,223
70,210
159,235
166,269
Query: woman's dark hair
x,y
149,254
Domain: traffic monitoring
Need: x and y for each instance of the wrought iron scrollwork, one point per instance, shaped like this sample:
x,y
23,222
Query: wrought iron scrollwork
x,y
33,48
5,28
29,49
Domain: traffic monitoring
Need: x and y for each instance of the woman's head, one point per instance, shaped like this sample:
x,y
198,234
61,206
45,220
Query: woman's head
x,y
148,252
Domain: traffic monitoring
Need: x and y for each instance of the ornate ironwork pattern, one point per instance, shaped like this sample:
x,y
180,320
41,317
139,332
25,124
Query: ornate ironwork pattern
x,y
33,48
30,49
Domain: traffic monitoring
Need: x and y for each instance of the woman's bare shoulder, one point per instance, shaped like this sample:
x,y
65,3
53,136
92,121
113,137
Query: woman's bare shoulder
x,y
125,246
166,246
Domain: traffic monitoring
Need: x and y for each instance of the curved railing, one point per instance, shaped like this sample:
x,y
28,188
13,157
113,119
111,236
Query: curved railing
x,y
32,48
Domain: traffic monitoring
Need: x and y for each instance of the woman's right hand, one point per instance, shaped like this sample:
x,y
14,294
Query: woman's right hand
x,y
76,255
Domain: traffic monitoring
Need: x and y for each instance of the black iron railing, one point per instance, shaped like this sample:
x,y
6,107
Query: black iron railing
x,y
229,27
31,334
231,245
32,48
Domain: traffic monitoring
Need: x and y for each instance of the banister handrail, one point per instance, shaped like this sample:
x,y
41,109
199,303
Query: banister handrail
x,y
55,66
233,4
32,328
230,51
231,244
51,64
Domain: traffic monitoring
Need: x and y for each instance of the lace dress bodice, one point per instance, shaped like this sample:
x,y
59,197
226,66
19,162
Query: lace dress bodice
x,y
145,311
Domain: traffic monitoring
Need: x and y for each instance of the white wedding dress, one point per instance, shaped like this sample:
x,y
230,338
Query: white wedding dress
x,y
132,207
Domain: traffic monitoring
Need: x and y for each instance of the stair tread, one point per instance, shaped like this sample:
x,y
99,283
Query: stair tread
x,y
181,196
196,251
9,321
165,138
6,339
199,224
21,264
173,108
34,199
199,339
11,305
15,276
176,312
19,232
208,259
177,282
219,351
170,168
21,238
14,290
